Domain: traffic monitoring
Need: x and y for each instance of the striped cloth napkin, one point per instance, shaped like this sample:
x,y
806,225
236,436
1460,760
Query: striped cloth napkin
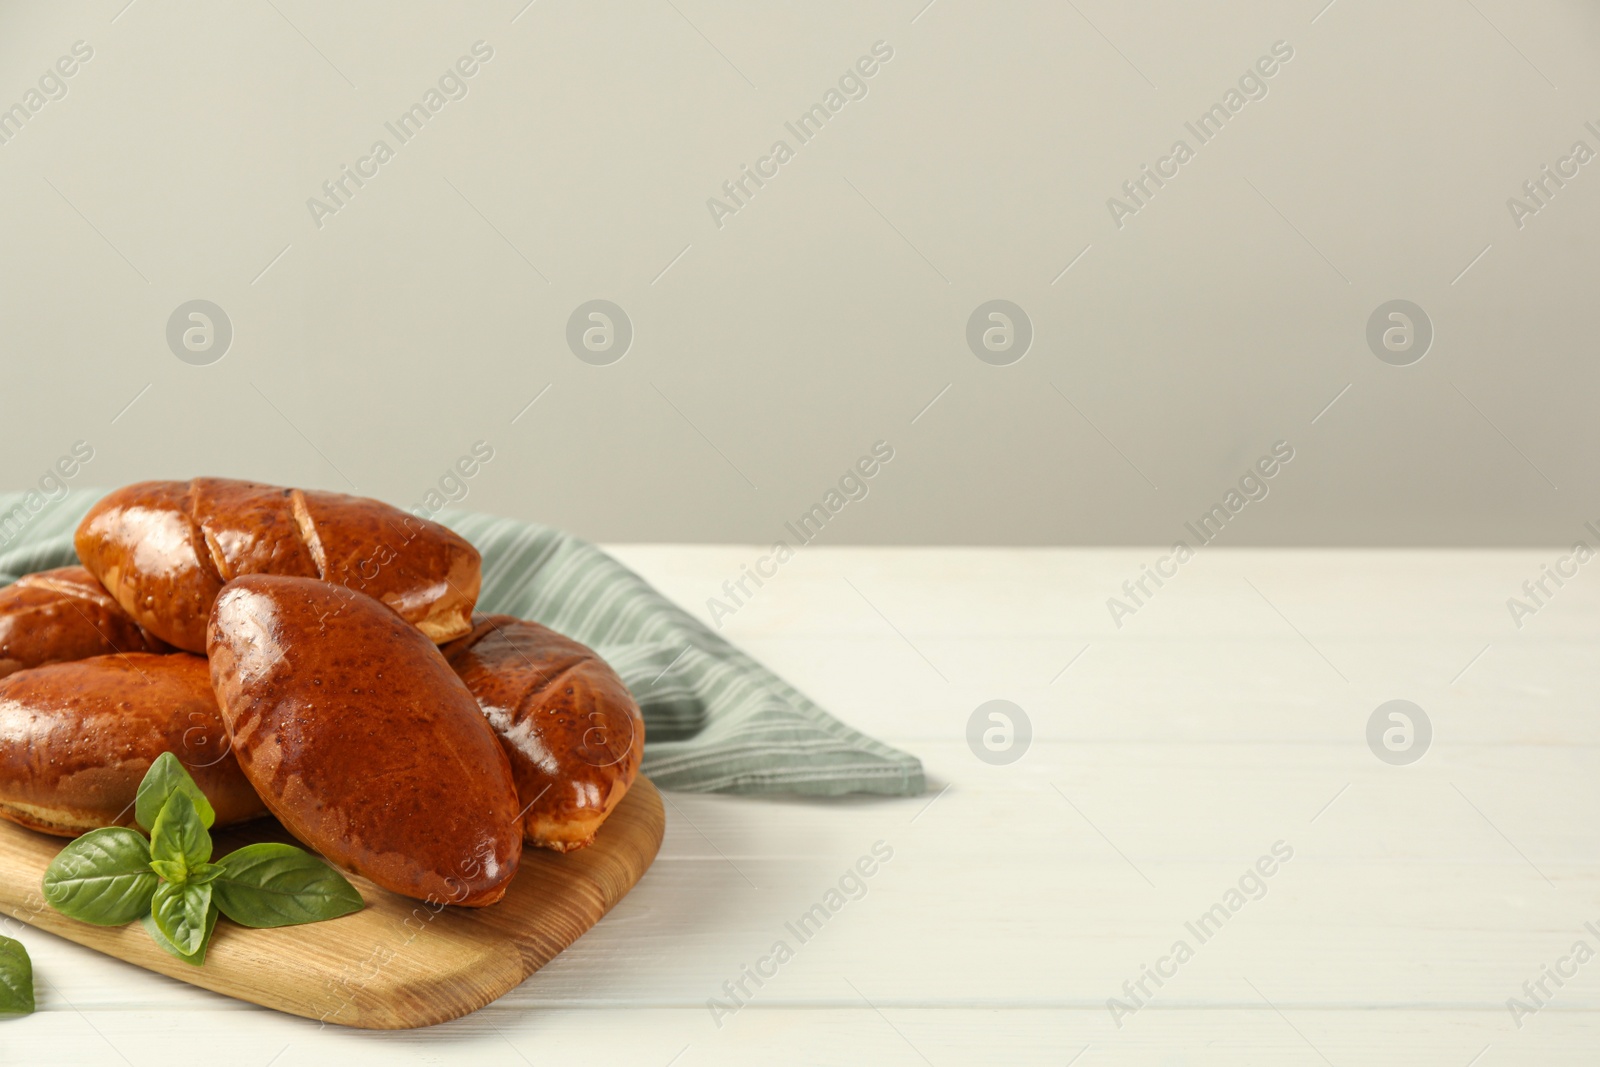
x,y
715,719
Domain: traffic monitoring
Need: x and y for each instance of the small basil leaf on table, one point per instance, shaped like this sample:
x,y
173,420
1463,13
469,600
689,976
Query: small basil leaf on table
x,y
165,777
179,834
273,884
198,957
16,978
103,877
171,870
181,913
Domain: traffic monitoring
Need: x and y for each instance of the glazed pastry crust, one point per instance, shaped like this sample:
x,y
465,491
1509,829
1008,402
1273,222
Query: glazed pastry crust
x,y
76,739
164,550
572,730
362,741
64,614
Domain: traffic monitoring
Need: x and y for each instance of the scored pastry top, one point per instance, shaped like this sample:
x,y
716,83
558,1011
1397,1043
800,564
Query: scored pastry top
x,y
165,549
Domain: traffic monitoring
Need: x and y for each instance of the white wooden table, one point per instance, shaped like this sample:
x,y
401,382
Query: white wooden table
x,y
1228,714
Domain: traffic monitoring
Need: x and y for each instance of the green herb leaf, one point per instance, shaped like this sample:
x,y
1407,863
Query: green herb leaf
x,y
165,777
272,884
205,872
179,834
198,957
182,913
103,877
171,870
16,978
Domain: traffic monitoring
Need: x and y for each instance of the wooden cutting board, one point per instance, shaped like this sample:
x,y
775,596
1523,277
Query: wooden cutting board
x,y
397,963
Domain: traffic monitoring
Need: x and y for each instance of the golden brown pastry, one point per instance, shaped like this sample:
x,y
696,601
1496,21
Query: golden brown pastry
x,y
76,739
165,549
64,614
362,741
569,724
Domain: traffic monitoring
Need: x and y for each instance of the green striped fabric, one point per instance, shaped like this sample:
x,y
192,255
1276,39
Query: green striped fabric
x,y
715,719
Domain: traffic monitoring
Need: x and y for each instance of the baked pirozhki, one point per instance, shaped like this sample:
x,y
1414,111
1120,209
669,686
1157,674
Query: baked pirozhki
x,y
164,550
361,739
571,728
64,614
76,739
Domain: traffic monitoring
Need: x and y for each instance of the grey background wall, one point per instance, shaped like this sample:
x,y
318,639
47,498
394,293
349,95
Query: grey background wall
x,y
776,339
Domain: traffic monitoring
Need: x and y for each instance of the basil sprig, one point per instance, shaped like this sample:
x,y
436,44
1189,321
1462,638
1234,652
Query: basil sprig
x,y
16,978
112,876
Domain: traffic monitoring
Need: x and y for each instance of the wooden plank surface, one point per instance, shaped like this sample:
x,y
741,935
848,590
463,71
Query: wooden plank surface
x,y
1186,743
396,964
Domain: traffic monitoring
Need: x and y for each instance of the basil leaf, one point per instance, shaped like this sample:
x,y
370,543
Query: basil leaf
x,y
16,978
171,870
181,913
198,957
273,884
165,777
205,872
103,877
179,834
